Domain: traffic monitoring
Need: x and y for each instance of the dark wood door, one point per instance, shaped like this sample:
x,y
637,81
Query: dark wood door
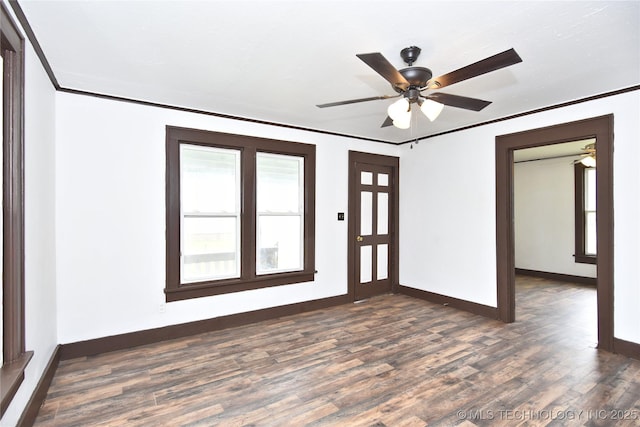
x,y
373,229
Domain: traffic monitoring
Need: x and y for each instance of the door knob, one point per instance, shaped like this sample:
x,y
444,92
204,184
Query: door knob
x,y
359,239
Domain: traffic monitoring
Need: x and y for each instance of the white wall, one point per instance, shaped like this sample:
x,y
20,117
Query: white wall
x,y
110,213
544,217
447,208
40,257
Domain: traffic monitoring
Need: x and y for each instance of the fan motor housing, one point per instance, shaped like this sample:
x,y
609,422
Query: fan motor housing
x,y
416,76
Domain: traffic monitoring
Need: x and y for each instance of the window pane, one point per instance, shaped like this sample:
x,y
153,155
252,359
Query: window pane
x,y
279,243
590,189
366,264
383,179
1,200
383,213
383,261
590,241
366,213
209,179
210,248
366,178
280,183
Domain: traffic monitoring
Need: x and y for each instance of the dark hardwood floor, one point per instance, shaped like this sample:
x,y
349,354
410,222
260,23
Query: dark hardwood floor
x,y
389,361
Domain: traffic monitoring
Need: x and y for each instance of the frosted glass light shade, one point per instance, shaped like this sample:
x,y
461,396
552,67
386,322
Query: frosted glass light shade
x,y
398,108
589,161
431,109
404,121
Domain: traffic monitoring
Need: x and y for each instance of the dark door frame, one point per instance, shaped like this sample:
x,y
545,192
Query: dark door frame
x,y
600,128
394,258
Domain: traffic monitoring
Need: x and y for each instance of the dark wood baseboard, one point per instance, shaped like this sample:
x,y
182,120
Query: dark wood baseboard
x,y
591,281
150,336
38,396
626,348
472,307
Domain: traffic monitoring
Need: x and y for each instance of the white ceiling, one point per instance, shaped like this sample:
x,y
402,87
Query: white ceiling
x,y
273,61
554,151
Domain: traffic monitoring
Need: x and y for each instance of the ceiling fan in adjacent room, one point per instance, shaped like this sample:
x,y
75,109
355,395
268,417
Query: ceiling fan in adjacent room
x,y
588,159
411,82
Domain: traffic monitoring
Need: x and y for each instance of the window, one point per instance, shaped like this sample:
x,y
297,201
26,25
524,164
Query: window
x,y
280,213
14,356
210,202
240,213
585,213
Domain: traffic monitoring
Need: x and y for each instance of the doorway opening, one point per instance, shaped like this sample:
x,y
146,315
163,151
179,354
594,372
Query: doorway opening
x,y
600,128
555,238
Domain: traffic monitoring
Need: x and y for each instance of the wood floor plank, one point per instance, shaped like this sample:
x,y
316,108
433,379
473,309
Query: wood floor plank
x,y
389,361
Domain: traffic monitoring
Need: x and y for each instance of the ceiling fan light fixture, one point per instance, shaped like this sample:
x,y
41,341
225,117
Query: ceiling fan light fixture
x,y
431,109
403,122
399,109
589,161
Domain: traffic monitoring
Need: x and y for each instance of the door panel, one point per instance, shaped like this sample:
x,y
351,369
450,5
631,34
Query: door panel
x,y
366,263
383,262
366,213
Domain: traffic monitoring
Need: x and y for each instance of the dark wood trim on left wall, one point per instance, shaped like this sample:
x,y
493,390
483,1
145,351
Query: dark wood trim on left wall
x,y
30,412
14,355
151,336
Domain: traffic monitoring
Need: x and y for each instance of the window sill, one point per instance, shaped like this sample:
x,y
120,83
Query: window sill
x,y
11,376
197,290
586,259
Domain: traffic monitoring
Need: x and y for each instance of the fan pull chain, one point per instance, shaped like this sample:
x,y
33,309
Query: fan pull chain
x,y
413,120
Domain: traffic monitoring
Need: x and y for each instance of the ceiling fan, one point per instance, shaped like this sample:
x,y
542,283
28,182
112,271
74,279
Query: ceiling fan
x,y
588,159
410,82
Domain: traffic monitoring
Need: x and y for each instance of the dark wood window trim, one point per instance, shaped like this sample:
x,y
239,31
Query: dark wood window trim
x,y
248,147
14,356
580,255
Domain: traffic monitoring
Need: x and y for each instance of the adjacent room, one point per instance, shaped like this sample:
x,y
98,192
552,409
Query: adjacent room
x,y
283,213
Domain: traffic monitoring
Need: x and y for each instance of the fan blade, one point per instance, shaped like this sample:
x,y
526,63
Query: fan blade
x,y
383,67
353,101
458,101
492,63
387,122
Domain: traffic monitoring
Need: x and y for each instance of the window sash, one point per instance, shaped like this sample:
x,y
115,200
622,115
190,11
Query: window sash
x,y
279,252
585,214
203,262
589,212
590,241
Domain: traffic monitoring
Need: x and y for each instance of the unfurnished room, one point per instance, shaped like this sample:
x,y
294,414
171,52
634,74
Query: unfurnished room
x,y
327,213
